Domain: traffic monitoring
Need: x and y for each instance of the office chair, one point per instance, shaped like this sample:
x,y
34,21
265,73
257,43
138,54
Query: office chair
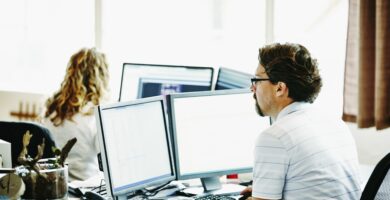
x,y
13,132
378,185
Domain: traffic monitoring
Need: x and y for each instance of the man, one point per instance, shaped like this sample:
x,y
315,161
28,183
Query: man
x,y
304,154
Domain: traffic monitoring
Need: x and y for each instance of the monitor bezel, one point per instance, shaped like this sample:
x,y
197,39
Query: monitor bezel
x,y
221,69
103,148
164,66
172,125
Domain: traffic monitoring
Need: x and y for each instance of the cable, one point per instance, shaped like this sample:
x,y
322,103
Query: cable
x,y
157,188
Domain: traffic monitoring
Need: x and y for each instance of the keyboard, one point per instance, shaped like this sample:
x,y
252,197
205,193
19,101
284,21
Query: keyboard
x,y
214,197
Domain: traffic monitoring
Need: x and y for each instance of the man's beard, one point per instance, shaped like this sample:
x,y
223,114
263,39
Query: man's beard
x,y
258,109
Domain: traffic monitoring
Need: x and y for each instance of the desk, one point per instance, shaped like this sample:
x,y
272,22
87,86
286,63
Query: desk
x,y
365,172
195,188
92,182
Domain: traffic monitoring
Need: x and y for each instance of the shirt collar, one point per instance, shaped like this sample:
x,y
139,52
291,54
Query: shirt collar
x,y
295,106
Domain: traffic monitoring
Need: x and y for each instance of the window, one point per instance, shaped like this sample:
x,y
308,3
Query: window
x,y
321,26
194,33
39,37
37,40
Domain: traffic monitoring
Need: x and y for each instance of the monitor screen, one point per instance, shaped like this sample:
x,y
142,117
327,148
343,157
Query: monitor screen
x,y
232,79
146,80
135,145
214,133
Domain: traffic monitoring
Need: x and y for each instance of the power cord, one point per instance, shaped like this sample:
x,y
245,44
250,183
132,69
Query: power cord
x,y
145,193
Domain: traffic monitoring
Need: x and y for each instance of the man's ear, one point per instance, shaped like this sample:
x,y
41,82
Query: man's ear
x,y
281,89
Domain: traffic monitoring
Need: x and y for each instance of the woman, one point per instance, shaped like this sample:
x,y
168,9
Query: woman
x,y
70,110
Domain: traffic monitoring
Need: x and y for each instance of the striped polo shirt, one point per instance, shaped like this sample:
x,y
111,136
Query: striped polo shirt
x,y
306,155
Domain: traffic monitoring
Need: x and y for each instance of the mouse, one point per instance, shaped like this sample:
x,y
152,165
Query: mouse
x,y
93,195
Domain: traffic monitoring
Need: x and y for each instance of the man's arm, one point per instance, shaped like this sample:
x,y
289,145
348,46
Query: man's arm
x,y
271,161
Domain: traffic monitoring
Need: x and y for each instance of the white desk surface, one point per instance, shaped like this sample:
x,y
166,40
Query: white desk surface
x,y
365,172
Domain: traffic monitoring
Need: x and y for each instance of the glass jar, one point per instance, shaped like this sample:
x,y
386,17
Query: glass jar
x,y
48,184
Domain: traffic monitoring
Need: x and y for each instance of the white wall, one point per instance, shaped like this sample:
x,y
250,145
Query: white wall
x,y
20,102
372,145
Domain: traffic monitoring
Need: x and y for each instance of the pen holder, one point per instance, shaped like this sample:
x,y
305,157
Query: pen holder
x,y
48,184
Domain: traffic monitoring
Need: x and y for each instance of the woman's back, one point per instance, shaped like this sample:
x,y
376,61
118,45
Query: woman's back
x,y
82,159
69,112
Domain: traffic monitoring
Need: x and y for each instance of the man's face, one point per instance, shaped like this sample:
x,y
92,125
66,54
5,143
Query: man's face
x,y
262,92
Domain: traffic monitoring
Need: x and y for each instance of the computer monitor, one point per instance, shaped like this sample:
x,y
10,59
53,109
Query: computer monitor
x,y
213,134
146,80
135,145
232,79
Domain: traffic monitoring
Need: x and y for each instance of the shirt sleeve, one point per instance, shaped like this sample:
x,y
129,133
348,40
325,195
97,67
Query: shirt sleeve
x,y
270,167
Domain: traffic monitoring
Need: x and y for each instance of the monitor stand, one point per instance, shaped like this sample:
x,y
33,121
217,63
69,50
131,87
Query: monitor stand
x,y
121,197
213,185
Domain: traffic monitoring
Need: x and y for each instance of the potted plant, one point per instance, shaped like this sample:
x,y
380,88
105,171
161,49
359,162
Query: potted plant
x,y
44,178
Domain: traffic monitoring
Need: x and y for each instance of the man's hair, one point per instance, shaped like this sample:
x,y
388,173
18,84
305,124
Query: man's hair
x,y
293,65
86,80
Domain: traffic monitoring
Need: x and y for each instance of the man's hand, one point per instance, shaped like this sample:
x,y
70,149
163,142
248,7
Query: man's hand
x,y
246,194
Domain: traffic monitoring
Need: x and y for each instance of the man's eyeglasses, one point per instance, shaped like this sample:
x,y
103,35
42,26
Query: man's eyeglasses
x,y
254,80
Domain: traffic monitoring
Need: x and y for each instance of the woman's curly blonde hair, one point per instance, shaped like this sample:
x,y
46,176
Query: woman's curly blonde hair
x,y
86,80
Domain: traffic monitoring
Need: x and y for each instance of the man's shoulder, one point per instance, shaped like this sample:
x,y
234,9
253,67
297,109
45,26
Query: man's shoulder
x,y
274,131
311,116
289,122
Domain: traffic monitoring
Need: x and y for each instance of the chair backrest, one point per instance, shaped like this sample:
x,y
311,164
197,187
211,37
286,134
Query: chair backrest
x,y
13,132
378,185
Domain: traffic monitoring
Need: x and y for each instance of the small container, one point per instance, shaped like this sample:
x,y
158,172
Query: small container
x,y
49,184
